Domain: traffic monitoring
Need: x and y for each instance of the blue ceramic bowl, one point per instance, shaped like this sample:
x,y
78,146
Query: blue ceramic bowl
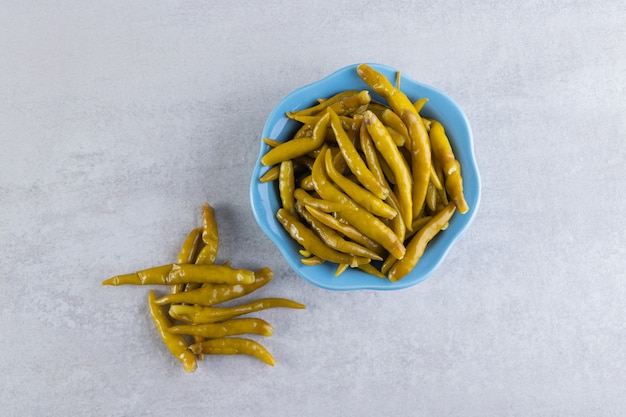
x,y
266,201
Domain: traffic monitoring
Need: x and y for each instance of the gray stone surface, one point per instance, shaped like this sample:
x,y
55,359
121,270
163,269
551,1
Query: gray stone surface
x,y
118,119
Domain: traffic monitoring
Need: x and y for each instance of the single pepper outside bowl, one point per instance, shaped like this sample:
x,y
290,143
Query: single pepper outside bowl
x,y
265,199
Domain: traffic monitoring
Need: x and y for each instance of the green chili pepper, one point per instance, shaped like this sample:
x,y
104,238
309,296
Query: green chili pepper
x,y
322,105
417,244
360,195
188,252
351,104
364,221
203,315
390,152
210,294
183,274
345,229
326,206
233,346
354,160
371,269
392,120
420,144
450,166
287,185
333,239
232,327
272,174
175,343
297,146
311,242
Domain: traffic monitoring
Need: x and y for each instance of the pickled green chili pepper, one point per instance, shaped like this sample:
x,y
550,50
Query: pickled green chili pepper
x,y
354,160
371,269
183,274
287,185
420,144
175,343
311,242
203,315
190,246
210,236
333,239
211,294
364,221
326,206
297,146
390,152
391,119
188,252
271,174
232,327
450,166
348,105
419,104
360,195
322,105
417,244
233,346
345,229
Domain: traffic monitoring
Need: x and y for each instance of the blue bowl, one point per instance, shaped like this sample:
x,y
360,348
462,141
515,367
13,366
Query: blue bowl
x,y
265,200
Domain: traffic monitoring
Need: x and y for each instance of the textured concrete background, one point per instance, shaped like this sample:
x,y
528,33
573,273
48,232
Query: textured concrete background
x,y
118,119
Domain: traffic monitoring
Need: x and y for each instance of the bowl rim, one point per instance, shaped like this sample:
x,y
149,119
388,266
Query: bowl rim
x,y
277,122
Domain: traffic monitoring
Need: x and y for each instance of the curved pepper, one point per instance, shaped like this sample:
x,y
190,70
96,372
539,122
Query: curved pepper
x,y
175,343
230,327
360,195
183,274
287,185
334,240
420,144
326,206
202,315
354,160
210,294
297,146
450,166
311,242
417,244
233,346
364,221
390,152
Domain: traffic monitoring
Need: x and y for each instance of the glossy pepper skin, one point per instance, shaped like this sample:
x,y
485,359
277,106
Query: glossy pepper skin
x,y
345,229
420,144
333,239
233,346
297,146
353,159
360,195
318,108
326,206
450,166
311,242
364,221
188,252
232,327
211,294
175,343
202,315
183,274
391,154
417,244
210,237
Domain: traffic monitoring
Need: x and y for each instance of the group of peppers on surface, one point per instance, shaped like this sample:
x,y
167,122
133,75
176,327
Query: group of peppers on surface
x,y
361,181
197,285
